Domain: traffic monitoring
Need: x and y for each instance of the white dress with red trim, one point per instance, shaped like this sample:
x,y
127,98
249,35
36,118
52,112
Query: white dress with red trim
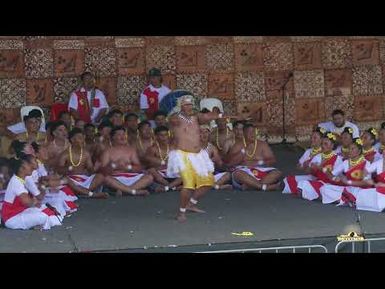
x,y
342,193
54,199
291,181
16,215
373,199
310,189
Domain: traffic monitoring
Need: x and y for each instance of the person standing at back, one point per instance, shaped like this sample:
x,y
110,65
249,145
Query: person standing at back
x,y
153,93
88,103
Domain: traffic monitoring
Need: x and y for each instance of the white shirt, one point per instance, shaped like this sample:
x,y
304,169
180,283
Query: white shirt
x,y
73,102
162,91
14,189
305,157
19,127
330,126
376,167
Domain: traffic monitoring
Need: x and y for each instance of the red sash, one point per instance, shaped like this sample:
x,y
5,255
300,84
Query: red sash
x,y
258,174
83,106
370,156
152,101
356,173
381,177
10,210
328,164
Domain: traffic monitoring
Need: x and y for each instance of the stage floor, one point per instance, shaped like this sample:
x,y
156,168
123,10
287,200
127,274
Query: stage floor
x,y
137,224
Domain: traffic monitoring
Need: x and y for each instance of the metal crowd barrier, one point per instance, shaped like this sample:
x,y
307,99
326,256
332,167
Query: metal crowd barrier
x,y
294,249
353,242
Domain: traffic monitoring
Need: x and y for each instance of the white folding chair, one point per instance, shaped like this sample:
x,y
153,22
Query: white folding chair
x,y
210,103
26,109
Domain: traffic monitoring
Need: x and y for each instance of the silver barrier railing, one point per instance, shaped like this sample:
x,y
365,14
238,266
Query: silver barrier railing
x,y
353,242
276,249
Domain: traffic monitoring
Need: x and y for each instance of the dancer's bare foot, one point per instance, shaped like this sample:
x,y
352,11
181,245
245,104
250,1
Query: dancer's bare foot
x,y
194,209
181,217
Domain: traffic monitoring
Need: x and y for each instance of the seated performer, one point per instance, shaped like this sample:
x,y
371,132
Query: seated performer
x,y
103,141
90,137
338,125
222,178
131,124
115,116
76,164
221,134
291,181
319,167
20,209
369,138
144,140
32,133
20,126
156,157
352,174
160,118
58,131
238,137
65,117
250,158
79,123
121,167
346,140
373,199
51,186
38,183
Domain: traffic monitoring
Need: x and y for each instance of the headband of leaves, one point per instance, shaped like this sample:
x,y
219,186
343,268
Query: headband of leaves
x,y
358,141
321,130
349,130
373,132
331,136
